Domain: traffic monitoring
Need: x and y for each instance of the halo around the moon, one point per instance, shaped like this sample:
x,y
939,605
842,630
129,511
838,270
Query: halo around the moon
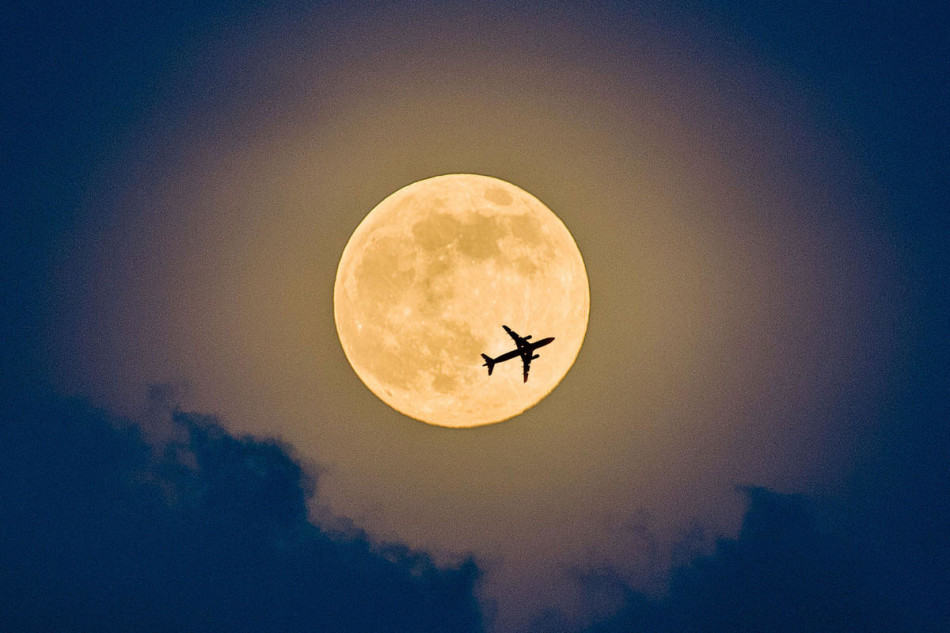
x,y
428,279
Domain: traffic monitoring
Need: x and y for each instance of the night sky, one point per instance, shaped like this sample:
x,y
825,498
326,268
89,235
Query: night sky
x,y
755,435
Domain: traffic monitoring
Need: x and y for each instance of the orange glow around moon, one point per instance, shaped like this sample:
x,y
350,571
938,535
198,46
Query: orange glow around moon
x,y
426,282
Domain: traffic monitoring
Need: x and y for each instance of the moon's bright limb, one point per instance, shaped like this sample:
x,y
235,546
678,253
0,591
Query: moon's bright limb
x,y
426,282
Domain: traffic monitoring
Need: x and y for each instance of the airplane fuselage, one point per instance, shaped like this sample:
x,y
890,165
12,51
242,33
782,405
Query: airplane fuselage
x,y
527,349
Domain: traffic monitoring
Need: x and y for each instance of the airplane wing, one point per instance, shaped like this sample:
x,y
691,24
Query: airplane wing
x,y
519,340
526,361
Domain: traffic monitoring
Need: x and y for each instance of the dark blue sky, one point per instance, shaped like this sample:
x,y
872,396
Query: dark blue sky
x,y
100,532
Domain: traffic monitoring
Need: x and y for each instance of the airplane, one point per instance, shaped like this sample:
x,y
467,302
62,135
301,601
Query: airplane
x,y
525,350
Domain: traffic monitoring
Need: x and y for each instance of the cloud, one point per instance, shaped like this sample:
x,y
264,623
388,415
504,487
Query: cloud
x,y
100,533
201,530
786,571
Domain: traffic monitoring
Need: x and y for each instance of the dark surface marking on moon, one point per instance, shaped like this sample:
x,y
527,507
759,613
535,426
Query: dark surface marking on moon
x,y
497,195
479,237
525,228
436,231
476,236
444,384
526,266
436,283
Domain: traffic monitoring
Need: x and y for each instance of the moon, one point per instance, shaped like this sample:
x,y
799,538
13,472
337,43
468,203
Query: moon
x,y
426,282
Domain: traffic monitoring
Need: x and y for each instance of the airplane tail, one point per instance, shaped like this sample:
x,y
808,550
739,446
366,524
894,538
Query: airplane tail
x,y
489,362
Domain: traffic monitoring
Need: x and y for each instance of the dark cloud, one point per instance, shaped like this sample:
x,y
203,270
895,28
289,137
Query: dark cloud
x,y
789,569
101,534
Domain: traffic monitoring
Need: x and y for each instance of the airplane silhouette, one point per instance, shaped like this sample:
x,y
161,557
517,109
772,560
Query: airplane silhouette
x,y
525,350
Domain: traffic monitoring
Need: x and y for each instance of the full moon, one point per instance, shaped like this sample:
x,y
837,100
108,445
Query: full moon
x,y
429,278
